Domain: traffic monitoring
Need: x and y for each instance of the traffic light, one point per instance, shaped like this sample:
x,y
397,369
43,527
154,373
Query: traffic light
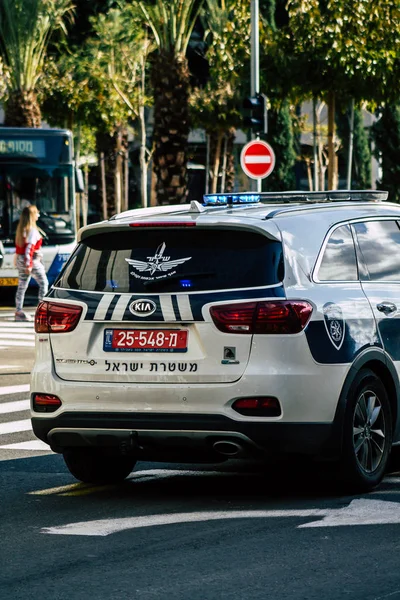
x,y
257,120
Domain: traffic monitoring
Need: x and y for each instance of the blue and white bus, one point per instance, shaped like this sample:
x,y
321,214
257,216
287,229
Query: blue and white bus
x,y
37,167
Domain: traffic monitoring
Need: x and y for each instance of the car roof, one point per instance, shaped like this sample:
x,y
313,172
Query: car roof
x,y
275,211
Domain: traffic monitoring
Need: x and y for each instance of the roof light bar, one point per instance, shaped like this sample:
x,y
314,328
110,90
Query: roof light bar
x,y
228,199
296,197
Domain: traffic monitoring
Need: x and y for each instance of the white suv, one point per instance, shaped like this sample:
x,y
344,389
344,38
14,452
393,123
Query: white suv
x,y
253,325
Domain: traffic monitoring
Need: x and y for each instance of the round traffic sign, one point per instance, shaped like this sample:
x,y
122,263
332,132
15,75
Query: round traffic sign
x,y
257,159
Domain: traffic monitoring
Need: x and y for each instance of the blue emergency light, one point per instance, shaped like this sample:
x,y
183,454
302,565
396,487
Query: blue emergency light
x,y
228,199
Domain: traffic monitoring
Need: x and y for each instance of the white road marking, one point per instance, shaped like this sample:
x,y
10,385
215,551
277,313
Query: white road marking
x,y
31,445
16,406
8,366
15,426
5,336
254,159
20,343
358,512
14,389
15,324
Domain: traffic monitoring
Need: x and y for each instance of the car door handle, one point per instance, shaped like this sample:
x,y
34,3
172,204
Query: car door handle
x,y
386,307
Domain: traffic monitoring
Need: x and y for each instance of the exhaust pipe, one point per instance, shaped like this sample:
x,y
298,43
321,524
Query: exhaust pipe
x,y
228,448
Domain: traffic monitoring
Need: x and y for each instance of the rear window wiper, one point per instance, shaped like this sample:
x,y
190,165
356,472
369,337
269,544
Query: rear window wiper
x,y
176,277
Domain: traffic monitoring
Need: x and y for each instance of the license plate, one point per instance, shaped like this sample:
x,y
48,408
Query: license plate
x,y
8,281
145,340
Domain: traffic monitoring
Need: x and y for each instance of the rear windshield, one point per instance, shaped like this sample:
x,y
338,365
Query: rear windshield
x,y
173,261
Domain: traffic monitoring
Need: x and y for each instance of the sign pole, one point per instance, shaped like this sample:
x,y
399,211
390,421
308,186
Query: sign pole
x,y
255,61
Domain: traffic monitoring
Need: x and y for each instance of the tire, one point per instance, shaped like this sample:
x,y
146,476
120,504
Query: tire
x,y
367,434
92,465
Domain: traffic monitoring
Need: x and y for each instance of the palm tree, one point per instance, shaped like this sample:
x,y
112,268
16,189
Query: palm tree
x,y
215,107
26,27
171,22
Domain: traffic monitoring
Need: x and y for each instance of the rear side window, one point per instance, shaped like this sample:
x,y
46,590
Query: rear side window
x,y
339,260
145,261
379,243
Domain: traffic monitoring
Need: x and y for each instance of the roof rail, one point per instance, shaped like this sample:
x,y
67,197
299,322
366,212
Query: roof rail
x,y
295,197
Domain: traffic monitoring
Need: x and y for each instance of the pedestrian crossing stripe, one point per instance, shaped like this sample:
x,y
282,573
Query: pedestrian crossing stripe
x,y
29,445
16,406
14,389
16,334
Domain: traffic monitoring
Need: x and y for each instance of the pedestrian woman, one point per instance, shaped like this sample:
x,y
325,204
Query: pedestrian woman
x,y
28,242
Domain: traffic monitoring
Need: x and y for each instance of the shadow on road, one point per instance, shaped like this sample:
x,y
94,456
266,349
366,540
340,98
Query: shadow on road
x,y
233,482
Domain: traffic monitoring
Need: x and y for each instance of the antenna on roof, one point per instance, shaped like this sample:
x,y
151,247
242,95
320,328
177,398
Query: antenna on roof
x,y
196,207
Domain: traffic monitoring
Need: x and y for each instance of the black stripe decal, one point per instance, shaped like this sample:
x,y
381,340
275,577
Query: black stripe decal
x,y
176,308
111,307
197,301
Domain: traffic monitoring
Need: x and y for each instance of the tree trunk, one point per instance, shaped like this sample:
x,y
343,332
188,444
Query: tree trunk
x,y
143,158
22,110
118,173
351,141
315,144
216,161
170,77
332,163
107,150
230,160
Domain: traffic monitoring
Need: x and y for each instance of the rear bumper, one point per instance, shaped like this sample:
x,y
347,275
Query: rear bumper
x,y
161,435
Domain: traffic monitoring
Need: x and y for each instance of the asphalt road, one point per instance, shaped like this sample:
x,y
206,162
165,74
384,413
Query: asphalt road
x,y
183,532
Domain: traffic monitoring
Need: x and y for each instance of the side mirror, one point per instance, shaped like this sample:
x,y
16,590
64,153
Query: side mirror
x,y
1,254
79,182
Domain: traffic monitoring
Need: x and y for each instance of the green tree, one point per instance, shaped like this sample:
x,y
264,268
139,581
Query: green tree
x,y
280,132
216,106
99,84
26,27
343,49
386,135
362,153
276,83
171,23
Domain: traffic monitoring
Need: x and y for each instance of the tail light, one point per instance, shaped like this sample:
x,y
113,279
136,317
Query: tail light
x,y
272,317
45,402
51,317
266,406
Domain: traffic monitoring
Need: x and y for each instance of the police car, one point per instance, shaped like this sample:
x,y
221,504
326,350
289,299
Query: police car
x,y
252,325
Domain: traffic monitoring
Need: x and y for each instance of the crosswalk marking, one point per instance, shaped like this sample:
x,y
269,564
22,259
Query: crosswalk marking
x,y
16,324
16,406
31,445
20,343
15,426
14,389
16,334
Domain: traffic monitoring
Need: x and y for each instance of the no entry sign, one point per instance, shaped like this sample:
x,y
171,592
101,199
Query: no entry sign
x,y
257,159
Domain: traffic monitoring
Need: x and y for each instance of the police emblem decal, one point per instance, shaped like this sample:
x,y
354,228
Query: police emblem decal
x,y
334,324
156,264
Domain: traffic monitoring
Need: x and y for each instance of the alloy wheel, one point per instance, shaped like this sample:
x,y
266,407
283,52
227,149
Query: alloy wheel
x,y
369,431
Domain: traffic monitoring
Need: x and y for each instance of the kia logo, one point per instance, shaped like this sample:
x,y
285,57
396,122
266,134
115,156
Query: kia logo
x,y
142,307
